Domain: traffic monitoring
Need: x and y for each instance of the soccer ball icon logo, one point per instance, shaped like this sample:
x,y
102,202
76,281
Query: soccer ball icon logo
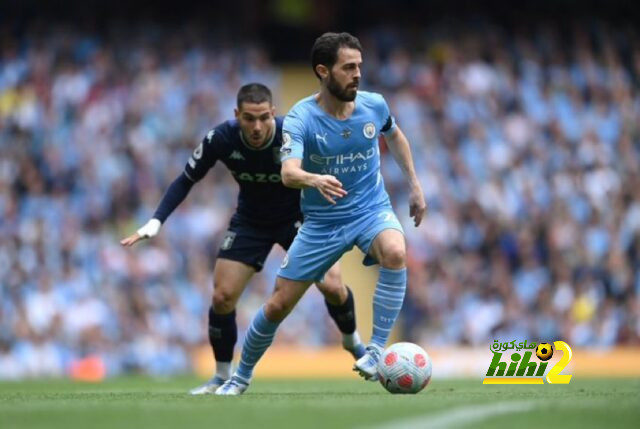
x,y
544,351
404,368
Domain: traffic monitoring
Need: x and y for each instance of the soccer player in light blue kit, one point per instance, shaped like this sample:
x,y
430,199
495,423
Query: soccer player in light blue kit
x,y
330,151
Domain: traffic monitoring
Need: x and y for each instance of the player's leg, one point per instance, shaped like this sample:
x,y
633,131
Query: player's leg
x,y
389,249
262,330
314,250
229,281
339,301
242,254
384,242
338,297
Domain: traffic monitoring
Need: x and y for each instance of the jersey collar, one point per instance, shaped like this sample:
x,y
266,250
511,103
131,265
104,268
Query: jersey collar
x,y
326,114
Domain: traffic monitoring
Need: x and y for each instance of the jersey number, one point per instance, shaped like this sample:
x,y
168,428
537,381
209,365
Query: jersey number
x,y
386,215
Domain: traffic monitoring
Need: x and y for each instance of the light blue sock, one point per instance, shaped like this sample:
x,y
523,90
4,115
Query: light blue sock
x,y
387,302
259,337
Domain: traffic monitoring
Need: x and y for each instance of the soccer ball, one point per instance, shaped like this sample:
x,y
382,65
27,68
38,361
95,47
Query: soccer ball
x,y
544,351
404,368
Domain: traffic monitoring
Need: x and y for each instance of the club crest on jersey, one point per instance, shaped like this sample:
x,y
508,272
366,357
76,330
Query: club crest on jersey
x,y
369,130
227,241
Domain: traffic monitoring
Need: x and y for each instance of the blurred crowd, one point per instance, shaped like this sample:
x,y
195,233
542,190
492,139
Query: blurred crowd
x,y
527,146
529,153
92,131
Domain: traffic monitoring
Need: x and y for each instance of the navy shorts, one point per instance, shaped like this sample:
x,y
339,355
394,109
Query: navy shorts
x,y
250,244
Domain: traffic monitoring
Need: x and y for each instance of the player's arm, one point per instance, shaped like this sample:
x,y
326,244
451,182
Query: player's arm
x,y
293,176
202,159
175,194
401,151
292,152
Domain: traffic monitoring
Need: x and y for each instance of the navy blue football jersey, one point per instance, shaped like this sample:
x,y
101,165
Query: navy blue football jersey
x,y
263,199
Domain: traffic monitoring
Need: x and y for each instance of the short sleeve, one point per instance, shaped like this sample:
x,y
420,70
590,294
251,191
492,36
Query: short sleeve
x,y
388,121
292,137
203,157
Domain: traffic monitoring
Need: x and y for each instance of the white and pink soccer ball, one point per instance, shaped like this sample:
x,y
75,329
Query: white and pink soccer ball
x,y
404,368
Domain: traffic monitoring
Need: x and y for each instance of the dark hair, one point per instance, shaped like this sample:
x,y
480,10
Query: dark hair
x,y
254,93
325,49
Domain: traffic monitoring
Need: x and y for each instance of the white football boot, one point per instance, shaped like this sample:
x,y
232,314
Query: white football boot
x,y
208,388
367,365
234,386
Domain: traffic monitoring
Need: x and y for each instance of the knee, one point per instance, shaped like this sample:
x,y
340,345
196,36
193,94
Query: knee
x,y
223,300
332,280
332,288
394,256
276,310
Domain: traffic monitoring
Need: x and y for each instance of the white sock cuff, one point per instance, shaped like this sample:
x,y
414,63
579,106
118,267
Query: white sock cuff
x,y
223,370
351,340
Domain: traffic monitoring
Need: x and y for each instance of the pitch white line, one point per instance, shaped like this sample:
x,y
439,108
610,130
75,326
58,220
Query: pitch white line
x,y
457,417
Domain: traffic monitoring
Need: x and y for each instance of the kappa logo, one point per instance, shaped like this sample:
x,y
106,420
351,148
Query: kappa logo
x,y
369,130
236,155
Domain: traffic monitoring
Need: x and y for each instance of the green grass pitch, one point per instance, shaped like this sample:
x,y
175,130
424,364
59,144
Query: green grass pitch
x,y
142,403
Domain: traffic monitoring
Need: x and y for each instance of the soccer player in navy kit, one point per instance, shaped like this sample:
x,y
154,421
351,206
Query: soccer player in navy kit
x,y
330,151
267,213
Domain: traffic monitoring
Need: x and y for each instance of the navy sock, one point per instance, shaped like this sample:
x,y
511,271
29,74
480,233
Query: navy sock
x,y
344,314
223,334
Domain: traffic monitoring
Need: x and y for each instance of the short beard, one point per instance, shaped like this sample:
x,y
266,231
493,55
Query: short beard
x,y
340,93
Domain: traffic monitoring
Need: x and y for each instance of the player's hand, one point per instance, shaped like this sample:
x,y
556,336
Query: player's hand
x,y
131,240
329,187
417,205
150,229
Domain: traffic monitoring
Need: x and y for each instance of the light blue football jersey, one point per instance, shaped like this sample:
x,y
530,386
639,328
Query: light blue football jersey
x,y
347,149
